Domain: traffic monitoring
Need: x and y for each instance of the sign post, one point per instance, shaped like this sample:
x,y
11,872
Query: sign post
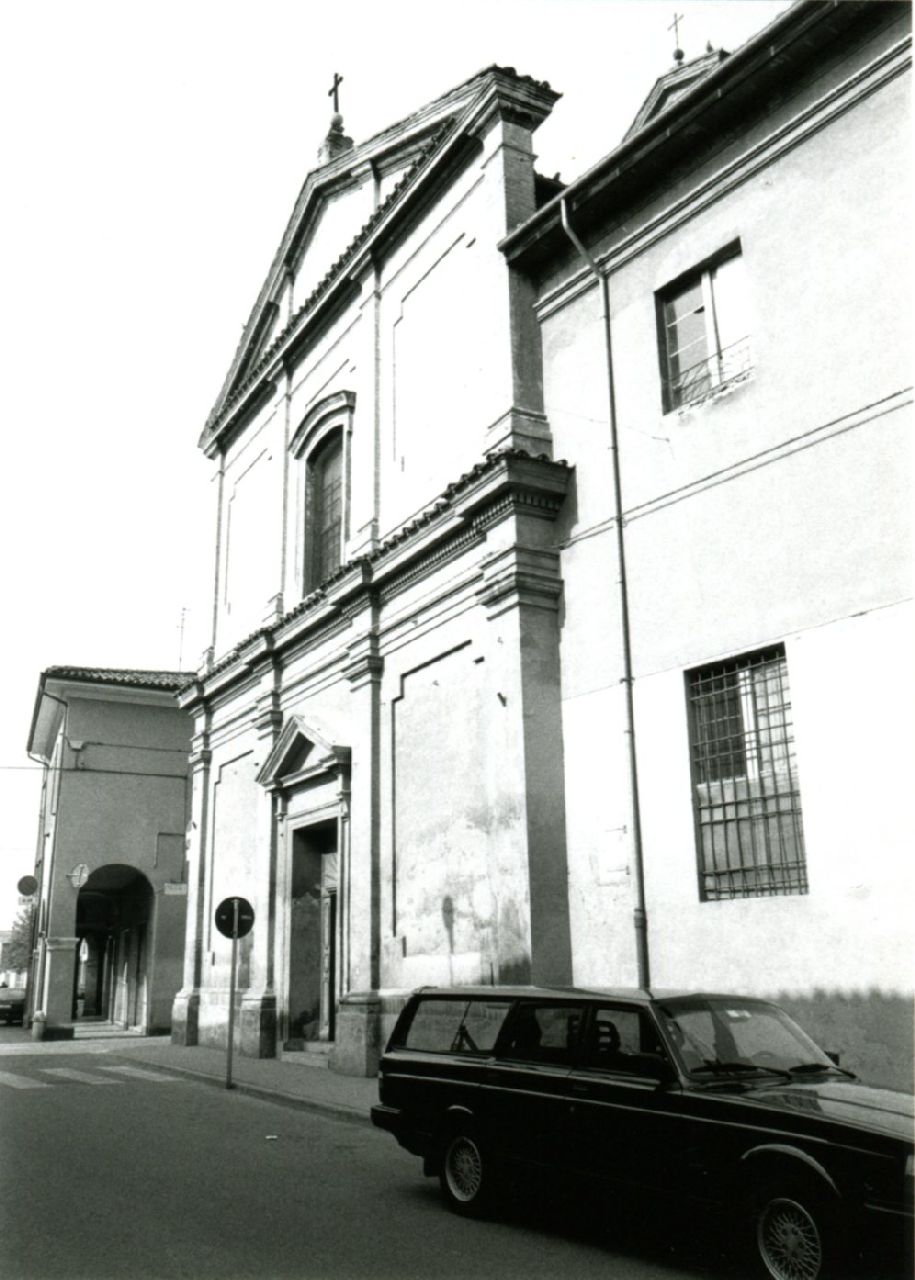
x,y
234,919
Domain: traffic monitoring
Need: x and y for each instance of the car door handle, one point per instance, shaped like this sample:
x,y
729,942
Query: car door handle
x,y
579,1087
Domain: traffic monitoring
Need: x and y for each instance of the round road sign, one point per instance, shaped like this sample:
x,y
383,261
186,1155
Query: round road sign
x,y
225,917
27,886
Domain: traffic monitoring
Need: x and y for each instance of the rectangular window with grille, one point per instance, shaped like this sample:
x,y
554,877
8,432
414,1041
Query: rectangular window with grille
x,y
746,799
703,330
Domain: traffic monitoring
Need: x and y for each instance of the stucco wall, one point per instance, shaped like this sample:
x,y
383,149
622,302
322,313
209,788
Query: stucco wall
x,y
777,511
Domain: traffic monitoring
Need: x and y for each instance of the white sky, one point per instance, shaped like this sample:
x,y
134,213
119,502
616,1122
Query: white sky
x,y
149,158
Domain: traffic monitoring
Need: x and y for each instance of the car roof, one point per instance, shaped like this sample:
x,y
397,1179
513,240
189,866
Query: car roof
x,y
643,995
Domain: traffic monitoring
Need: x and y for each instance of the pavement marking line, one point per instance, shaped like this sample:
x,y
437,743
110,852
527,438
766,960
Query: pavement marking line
x,y
21,1082
81,1077
141,1073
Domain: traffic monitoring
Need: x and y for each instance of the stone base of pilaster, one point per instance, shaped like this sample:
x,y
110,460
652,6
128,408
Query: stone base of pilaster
x,y
357,1041
186,1018
255,1026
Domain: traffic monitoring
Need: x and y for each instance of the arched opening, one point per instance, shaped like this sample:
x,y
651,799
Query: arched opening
x,y
113,918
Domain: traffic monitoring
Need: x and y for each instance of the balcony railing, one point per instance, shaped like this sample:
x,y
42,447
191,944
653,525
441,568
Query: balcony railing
x,y
716,371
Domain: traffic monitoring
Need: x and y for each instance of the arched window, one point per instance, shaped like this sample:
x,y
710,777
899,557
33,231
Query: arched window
x,y
321,444
324,512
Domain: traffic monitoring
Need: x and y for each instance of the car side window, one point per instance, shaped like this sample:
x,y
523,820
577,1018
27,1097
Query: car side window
x,y
435,1025
624,1041
545,1033
456,1026
482,1024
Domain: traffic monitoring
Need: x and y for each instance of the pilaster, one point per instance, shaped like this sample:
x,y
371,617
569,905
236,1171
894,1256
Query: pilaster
x,y
186,1005
365,465
60,966
364,668
257,1013
508,159
521,592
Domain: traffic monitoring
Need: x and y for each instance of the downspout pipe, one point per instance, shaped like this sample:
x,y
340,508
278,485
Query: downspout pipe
x,y
640,915
47,879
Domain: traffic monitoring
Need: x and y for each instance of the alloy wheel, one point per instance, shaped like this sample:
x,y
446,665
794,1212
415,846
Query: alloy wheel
x,y
789,1241
464,1169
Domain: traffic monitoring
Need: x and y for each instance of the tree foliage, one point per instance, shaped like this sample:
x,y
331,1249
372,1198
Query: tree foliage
x,y
17,954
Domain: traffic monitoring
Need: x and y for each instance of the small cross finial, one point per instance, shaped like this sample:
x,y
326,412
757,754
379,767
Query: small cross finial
x,y
334,91
675,28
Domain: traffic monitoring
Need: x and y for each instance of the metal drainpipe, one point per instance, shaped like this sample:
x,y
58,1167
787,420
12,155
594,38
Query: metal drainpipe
x,y
48,858
640,916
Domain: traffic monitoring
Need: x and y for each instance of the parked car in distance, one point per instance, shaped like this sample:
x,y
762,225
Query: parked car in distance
x,y
12,1004
717,1100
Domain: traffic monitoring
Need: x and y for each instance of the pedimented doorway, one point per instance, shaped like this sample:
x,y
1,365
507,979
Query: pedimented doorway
x,y
308,772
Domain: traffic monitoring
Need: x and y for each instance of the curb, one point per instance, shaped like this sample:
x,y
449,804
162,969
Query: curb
x,y
334,1110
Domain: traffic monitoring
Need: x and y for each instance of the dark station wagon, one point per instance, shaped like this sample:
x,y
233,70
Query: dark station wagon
x,y
718,1100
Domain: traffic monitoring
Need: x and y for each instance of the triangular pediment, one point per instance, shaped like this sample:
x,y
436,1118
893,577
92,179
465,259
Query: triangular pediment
x,y
672,86
304,749
337,212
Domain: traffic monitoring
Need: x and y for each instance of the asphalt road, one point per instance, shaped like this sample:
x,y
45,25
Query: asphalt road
x,y
110,1171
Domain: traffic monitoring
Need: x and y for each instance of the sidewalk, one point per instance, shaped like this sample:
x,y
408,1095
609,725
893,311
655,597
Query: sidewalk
x,y
291,1079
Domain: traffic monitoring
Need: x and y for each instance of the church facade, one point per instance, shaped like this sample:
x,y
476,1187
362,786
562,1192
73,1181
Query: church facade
x,y
378,750
460,722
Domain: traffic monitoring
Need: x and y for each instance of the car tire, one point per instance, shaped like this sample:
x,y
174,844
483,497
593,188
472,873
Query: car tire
x,y
466,1172
795,1232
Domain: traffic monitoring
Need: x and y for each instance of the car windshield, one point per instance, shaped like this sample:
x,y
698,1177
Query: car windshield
x,y
714,1036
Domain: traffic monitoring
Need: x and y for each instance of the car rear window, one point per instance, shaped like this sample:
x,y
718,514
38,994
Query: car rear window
x,y
456,1026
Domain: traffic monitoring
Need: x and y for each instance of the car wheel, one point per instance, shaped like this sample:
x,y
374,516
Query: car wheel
x,y
466,1172
794,1233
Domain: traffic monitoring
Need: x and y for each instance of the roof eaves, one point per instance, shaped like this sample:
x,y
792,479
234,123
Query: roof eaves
x,y
802,14
137,679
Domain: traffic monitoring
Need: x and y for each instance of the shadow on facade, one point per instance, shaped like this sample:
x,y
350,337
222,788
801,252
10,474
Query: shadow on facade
x,y
873,1031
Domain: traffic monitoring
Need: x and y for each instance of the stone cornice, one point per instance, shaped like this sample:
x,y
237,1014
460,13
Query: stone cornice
x,y
521,577
503,485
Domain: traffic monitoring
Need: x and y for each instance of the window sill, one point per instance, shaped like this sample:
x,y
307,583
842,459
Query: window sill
x,y
713,396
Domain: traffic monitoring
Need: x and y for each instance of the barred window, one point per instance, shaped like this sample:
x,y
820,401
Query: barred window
x,y
703,331
746,798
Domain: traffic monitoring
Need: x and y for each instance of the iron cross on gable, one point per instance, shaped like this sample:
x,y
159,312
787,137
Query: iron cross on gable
x,y
675,28
334,91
